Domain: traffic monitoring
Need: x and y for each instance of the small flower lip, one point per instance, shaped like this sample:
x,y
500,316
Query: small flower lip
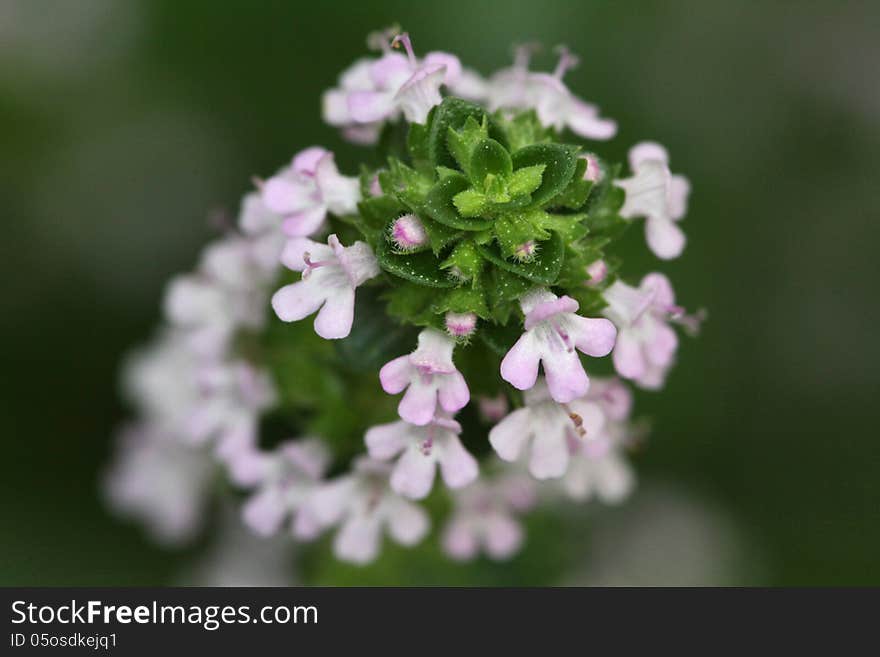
x,y
460,325
407,232
547,309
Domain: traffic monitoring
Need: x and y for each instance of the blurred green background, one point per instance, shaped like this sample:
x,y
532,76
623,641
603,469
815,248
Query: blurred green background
x,y
124,124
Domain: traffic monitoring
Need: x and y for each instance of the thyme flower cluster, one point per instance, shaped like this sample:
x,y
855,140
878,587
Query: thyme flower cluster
x,y
375,352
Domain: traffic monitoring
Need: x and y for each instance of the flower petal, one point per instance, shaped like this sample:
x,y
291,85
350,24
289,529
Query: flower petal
x,y
593,336
413,474
297,300
628,358
452,392
387,440
336,317
503,536
419,403
510,435
664,237
395,375
265,511
549,455
407,522
459,542
520,366
357,540
457,465
566,378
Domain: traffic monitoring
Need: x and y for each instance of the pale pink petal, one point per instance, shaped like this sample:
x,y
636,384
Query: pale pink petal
x,y
646,191
420,93
387,440
287,192
419,403
395,375
459,541
305,525
358,539
264,512
292,255
334,107
304,222
370,106
330,500
306,161
615,479
647,150
407,522
664,237
336,317
298,300
659,288
594,336
413,474
660,349
452,392
503,536
450,62
679,189
509,436
628,358
584,120
566,378
549,455
458,466
520,366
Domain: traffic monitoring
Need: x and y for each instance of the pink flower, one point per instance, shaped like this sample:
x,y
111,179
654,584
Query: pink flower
x,y
552,333
484,518
304,192
363,505
160,481
597,273
593,172
285,478
599,469
263,228
555,105
492,409
550,431
233,395
431,379
613,397
646,343
420,449
375,91
331,274
659,196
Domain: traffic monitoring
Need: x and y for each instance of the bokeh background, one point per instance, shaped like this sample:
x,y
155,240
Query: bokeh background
x,y
125,124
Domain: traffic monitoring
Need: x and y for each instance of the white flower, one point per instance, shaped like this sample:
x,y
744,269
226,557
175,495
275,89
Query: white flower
x,y
331,273
159,481
551,431
363,505
372,92
304,192
284,478
553,336
420,449
555,105
655,193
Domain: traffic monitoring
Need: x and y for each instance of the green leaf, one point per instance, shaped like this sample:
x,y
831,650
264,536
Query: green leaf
x,y
377,211
526,180
470,203
515,229
466,259
560,162
440,235
524,129
543,269
411,303
500,338
489,157
452,113
440,207
461,143
417,142
466,299
422,268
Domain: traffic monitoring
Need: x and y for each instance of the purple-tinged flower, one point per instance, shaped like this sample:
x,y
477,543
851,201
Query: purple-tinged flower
x,y
599,469
430,378
419,450
550,430
363,505
613,397
460,325
263,228
233,395
330,275
285,478
655,193
547,94
597,273
408,233
159,481
375,91
227,292
646,343
484,518
553,333
304,192
526,251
